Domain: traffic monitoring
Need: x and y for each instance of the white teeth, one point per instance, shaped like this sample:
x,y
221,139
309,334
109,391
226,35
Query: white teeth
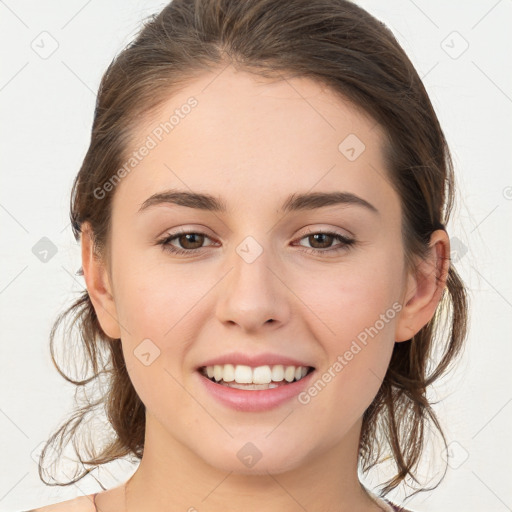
x,y
229,373
277,372
218,372
260,375
270,385
289,373
243,374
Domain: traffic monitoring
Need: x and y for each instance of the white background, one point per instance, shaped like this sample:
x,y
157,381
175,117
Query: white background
x,y
46,110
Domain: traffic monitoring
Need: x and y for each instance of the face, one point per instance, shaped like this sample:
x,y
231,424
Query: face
x,y
257,284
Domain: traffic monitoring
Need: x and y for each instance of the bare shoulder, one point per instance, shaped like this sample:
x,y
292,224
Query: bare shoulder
x,y
78,504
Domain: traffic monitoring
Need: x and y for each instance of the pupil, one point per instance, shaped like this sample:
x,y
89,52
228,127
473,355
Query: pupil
x,y
187,240
321,235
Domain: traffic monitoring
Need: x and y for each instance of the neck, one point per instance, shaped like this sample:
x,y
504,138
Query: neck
x,y
175,478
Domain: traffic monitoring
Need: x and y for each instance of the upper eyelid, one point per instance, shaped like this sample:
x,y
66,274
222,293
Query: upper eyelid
x,y
327,230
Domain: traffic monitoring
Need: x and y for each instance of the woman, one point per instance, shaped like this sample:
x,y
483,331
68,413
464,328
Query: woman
x,y
262,214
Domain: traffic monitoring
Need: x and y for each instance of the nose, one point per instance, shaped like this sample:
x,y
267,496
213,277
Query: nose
x,y
252,295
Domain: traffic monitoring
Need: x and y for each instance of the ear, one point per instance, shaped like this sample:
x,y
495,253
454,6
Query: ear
x,y
98,285
424,288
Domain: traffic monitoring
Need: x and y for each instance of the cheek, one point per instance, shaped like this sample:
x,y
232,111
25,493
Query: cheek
x,y
353,296
152,299
357,307
154,309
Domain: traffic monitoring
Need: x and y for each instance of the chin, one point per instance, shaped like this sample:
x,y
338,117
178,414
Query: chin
x,y
247,458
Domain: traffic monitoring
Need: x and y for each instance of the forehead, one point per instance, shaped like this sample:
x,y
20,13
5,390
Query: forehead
x,y
253,141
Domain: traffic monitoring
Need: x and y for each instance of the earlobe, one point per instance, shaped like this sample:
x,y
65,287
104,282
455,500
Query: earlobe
x,y
98,285
425,288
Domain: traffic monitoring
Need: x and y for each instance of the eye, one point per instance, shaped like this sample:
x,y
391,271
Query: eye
x,y
190,240
322,240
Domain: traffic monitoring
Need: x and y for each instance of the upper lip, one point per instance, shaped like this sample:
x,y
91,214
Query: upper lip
x,y
238,358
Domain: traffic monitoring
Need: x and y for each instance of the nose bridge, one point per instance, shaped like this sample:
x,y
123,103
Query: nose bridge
x,y
252,262
252,294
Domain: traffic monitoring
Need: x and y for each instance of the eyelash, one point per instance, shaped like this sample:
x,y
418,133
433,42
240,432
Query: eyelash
x,y
347,243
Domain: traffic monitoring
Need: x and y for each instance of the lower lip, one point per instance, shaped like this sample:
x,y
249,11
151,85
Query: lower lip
x,y
255,400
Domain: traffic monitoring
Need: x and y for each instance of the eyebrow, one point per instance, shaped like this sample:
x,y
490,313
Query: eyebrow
x,y
295,202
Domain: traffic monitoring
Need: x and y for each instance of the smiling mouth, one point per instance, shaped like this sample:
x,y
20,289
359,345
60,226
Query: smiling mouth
x,y
258,378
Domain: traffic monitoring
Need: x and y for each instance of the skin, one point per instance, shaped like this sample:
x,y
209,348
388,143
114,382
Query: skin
x,y
254,142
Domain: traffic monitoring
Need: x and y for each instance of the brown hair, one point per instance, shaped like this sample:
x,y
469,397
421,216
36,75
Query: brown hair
x,y
331,41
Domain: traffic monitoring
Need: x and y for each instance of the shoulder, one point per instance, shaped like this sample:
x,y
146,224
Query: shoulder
x,y
78,504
